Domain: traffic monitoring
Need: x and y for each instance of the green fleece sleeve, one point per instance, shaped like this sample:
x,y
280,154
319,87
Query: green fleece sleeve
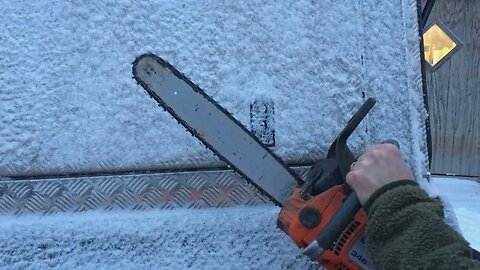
x,y
406,230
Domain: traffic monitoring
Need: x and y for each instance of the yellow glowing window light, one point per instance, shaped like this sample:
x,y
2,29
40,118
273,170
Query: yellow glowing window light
x,y
437,44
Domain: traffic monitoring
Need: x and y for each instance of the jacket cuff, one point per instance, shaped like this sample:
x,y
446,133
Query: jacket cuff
x,y
386,188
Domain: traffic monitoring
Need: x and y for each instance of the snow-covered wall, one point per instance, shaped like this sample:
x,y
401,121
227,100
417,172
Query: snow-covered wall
x,y
68,102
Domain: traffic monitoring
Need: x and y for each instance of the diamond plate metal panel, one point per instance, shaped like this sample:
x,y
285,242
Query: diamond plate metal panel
x,y
194,189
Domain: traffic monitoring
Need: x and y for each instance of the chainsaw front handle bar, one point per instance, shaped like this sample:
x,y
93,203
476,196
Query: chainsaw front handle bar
x,y
338,223
334,228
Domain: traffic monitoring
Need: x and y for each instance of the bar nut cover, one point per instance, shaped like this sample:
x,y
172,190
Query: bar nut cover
x,y
310,217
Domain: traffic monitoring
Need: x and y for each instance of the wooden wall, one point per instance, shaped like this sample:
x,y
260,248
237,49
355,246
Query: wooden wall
x,y
454,92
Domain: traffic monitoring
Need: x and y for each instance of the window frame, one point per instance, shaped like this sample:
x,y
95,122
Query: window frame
x,y
450,34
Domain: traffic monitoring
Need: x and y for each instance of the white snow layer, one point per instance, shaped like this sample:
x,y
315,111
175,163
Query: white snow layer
x,y
463,195
68,102
233,238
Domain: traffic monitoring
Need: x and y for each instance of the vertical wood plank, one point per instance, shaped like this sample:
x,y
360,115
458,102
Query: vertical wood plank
x,y
454,93
473,86
438,87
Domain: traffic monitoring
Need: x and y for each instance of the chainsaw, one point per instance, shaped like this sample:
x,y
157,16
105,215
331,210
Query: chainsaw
x,y
320,213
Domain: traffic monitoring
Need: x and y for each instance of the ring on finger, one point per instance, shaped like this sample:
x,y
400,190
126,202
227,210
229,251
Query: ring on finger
x,y
353,165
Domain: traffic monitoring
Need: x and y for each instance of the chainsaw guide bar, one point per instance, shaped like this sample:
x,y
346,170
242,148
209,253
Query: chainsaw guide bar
x,y
216,128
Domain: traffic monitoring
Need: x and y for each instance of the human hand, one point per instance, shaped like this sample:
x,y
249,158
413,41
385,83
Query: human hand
x,y
377,166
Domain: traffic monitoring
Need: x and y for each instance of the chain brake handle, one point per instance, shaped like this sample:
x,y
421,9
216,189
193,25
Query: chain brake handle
x,y
341,153
339,148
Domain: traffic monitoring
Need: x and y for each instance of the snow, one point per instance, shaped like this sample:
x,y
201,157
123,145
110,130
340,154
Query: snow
x,y
463,195
68,102
234,238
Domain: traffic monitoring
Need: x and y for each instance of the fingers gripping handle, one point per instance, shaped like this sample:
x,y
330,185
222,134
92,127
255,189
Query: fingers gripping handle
x,y
338,223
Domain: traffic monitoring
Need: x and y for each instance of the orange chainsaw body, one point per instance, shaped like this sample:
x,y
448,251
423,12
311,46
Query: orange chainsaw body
x,y
340,255
323,216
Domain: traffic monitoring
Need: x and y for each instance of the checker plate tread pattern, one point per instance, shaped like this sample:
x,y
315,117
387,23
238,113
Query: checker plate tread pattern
x,y
194,189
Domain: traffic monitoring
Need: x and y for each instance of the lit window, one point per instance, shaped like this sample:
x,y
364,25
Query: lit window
x,y
437,44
